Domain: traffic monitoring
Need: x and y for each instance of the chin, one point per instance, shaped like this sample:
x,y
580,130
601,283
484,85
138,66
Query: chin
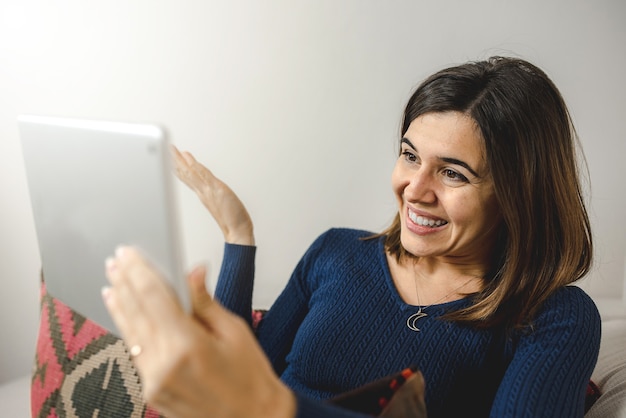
x,y
410,246
418,246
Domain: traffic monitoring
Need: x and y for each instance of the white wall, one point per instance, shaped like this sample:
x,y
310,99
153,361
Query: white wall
x,y
296,104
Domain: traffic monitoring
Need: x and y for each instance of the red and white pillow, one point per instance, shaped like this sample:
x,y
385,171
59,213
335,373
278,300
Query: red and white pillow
x,y
82,370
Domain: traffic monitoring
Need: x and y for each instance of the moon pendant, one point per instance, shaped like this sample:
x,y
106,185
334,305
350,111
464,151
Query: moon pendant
x,y
411,321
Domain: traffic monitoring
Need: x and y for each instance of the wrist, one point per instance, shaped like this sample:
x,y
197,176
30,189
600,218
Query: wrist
x,y
240,236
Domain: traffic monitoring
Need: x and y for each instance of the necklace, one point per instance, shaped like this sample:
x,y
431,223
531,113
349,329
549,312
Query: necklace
x,y
412,320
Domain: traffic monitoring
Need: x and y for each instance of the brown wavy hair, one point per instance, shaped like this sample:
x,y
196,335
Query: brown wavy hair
x,y
531,145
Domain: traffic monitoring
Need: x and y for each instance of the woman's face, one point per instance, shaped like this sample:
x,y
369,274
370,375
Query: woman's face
x,y
445,192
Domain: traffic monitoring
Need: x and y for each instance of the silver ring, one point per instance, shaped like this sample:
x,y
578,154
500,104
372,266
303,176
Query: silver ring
x,y
135,350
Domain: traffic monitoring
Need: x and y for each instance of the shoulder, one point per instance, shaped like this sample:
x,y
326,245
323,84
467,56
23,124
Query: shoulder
x,y
346,234
557,353
569,302
334,252
341,245
570,317
343,237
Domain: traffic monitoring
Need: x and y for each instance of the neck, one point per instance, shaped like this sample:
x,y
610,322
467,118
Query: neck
x,y
427,281
439,281
442,269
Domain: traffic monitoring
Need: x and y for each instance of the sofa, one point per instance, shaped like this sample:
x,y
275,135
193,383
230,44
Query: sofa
x,y
81,370
610,371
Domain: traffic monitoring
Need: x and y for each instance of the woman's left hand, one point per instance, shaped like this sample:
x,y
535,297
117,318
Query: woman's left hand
x,y
207,363
223,204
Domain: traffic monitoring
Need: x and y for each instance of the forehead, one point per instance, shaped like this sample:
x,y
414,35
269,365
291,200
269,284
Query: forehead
x,y
448,134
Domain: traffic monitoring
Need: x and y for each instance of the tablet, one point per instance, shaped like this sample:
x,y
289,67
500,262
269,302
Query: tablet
x,y
95,185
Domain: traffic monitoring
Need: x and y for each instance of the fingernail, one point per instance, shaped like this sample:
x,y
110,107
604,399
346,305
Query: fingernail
x,y
120,251
109,263
106,293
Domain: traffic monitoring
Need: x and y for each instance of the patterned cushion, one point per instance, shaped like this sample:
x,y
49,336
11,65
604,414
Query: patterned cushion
x,y
81,370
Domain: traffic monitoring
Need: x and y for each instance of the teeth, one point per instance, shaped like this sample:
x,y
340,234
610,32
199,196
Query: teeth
x,y
423,221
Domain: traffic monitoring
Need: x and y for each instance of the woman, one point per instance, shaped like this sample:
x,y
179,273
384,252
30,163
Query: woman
x,y
469,283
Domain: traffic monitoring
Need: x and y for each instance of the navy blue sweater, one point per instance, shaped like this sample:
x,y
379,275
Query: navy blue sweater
x,y
340,323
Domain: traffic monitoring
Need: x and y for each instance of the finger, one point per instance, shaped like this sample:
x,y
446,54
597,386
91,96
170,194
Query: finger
x,y
189,159
183,157
195,175
190,172
178,154
147,284
200,174
197,286
175,153
201,300
185,169
139,300
209,312
180,164
121,303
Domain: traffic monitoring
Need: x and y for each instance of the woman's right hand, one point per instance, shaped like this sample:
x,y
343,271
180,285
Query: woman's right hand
x,y
223,204
208,364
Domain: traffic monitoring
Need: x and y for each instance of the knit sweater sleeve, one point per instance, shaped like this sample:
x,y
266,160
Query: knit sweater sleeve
x,y
552,364
281,323
236,280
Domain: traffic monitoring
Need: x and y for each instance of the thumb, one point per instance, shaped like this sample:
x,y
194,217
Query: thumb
x,y
203,305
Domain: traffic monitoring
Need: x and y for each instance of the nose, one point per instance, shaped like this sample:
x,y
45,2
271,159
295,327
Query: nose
x,y
421,188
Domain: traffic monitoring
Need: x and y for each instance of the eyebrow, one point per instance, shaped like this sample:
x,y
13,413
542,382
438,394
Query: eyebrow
x,y
445,159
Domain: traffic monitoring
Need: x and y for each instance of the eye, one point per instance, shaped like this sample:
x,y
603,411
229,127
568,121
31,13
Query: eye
x,y
409,156
452,175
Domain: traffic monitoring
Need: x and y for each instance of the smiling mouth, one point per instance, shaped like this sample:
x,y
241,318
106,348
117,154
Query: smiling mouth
x,y
424,221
